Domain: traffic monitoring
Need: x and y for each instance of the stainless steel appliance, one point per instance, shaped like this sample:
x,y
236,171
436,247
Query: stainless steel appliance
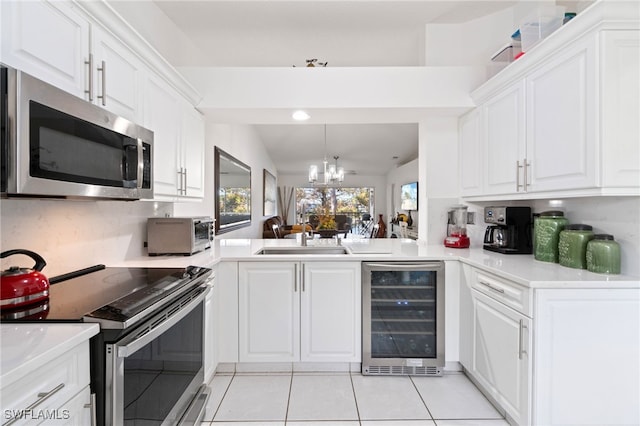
x,y
403,318
57,145
147,362
179,235
510,232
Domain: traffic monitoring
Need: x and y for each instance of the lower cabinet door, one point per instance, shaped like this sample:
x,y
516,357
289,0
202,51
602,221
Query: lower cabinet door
x,y
78,411
269,312
501,355
330,319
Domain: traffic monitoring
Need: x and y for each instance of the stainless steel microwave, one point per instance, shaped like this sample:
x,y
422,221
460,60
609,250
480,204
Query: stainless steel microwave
x,y
57,145
179,235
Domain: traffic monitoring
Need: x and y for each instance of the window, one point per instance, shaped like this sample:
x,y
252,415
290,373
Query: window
x,y
352,202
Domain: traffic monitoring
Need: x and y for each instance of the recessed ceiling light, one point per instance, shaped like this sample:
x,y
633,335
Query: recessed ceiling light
x,y
300,116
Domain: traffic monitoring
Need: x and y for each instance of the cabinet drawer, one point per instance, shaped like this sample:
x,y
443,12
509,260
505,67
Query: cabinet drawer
x,y
63,378
511,294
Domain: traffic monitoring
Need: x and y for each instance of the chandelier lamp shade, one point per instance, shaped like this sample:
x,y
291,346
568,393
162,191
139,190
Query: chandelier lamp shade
x,y
332,173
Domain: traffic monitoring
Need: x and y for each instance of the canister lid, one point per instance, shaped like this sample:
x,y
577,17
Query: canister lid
x,y
603,237
578,228
552,213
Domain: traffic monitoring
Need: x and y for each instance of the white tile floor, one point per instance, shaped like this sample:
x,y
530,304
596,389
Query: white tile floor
x,y
347,399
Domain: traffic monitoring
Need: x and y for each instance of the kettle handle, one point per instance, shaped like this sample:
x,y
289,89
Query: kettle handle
x,y
40,263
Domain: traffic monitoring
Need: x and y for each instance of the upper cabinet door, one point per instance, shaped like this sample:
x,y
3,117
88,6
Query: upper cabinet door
x,y
49,40
193,142
561,122
620,108
471,154
162,117
117,75
504,127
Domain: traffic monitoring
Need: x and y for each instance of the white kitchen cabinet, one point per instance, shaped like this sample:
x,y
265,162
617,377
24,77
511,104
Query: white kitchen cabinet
x,y
57,43
561,122
59,388
299,311
117,75
161,109
574,98
504,141
330,312
501,361
269,311
178,144
552,356
620,106
471,154
192,143
49,40
586,368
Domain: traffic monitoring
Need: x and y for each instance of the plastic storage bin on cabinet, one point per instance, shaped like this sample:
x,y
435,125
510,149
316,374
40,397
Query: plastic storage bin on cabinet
x,y
540,24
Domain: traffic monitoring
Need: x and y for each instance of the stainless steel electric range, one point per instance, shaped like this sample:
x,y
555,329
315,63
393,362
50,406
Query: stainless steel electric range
x,y
147,361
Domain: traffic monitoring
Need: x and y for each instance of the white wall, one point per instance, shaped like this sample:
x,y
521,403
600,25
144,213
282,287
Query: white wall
x,y
438,169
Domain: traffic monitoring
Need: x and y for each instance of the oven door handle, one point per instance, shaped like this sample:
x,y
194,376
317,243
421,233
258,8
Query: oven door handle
x,y
129,346
405,266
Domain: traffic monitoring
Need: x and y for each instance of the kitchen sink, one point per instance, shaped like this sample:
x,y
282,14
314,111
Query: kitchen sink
x,y
303,250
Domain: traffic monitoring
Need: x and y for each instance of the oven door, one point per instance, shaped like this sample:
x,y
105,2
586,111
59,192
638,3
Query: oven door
x,y
155,374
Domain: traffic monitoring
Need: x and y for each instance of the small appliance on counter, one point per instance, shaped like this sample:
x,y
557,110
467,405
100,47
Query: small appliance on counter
x,y
511,230
179,235
457,228
24,287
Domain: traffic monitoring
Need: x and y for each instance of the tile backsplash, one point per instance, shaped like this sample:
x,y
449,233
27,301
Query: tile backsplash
x,y
71,235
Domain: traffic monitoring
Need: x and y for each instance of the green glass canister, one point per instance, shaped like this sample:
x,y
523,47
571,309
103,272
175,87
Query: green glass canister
x,y
603,255
572,246
546,233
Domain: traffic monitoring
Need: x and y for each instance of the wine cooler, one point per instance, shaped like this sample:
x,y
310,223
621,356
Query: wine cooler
x,y
403,318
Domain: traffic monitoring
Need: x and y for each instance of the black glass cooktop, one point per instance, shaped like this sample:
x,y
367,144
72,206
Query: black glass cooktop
x,y
115,292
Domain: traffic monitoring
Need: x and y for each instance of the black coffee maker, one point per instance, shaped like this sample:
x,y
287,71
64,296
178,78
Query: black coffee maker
x,y
511,230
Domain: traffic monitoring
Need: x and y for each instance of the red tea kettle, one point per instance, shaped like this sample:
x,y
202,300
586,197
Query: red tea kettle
x,y
23,286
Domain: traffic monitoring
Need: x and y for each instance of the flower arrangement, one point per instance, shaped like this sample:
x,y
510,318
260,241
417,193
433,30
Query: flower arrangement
x,y
327,221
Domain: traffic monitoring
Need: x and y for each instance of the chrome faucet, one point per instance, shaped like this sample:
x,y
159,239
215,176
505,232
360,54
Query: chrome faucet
x,y
303,237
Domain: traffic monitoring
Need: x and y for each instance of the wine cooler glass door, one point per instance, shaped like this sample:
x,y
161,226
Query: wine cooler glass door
x,y
403,315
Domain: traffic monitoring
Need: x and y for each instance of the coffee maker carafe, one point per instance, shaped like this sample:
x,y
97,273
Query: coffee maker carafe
x,y
511,230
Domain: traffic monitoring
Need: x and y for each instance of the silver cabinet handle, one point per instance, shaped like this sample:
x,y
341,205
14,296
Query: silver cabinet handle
x,y
103,69
491,287
295,277
184,185
521,350
90,77
526,173
42,397
302,277
92,406
518,167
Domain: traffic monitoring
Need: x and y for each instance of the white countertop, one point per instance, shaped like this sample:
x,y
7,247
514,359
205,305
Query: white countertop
x,y
522,269
25,347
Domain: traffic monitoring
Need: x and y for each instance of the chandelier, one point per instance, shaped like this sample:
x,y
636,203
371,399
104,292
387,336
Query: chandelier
x,y
332,174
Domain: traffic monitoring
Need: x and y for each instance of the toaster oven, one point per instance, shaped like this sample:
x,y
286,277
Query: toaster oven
x,y
179,235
